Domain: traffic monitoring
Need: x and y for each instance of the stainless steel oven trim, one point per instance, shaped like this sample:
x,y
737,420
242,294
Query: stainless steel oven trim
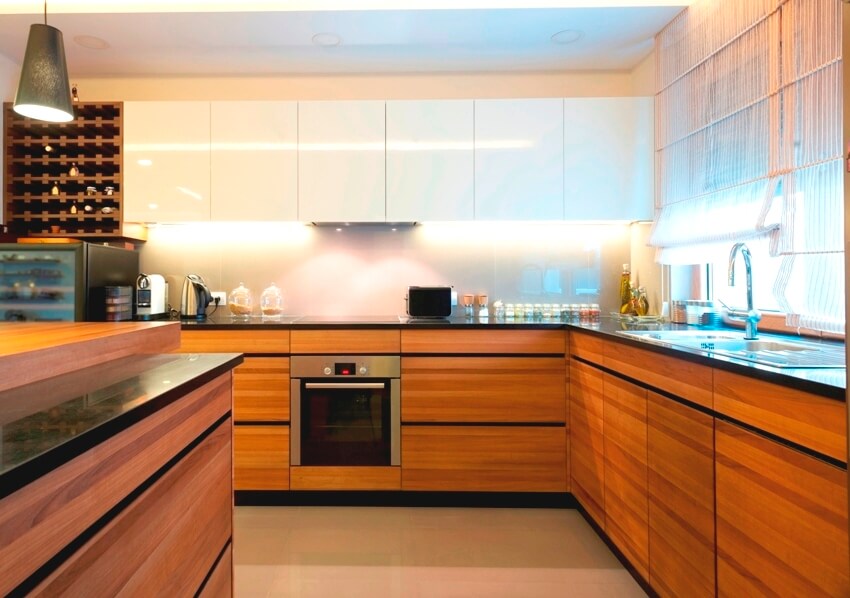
x,y
295,421
344,385
295,414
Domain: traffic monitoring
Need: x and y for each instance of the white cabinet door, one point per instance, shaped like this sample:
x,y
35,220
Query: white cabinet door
x,y
430,168
609,158
254,160
519,159
341,161
166,161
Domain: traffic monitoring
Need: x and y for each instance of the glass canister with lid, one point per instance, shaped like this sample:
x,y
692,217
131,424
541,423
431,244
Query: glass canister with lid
x,y
241,302
271,302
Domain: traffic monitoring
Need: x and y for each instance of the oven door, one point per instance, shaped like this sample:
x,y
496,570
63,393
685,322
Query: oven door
x,y
345,423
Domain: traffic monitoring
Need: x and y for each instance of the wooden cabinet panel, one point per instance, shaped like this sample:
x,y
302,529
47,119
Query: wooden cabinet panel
x,y
355,341
680,452
234,341
167,540
626,502
587,346
587,463
261,389
691,381
97,480
483,389
781,519
261,457
483,458
484,342
220,582
816,422
346,478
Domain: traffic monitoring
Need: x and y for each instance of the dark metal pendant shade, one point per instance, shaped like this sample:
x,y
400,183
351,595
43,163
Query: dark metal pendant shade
x,y
44,92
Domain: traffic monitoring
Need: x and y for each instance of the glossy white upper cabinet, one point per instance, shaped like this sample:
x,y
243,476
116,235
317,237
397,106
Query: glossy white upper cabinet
x,y
519,159
341,161
166,161
430,165
254,160
609,158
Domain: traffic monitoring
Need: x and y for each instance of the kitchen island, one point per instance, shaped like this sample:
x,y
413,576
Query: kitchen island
x,y
115,470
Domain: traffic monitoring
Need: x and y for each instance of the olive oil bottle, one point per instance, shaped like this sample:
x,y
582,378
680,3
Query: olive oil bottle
x,y
626,290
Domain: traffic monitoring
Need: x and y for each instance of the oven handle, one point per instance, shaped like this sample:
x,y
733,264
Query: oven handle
x,y
344,385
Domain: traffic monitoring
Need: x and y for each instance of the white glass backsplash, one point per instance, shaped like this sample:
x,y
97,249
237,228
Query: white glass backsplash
x,y
365,270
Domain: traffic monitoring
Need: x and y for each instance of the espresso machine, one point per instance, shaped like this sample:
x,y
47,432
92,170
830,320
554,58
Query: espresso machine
x,y
151,297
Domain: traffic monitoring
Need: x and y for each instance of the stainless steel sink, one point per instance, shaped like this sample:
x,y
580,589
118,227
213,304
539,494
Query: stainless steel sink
x,y
782,352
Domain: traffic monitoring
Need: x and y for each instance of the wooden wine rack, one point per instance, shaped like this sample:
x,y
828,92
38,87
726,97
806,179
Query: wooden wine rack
x,y
39,155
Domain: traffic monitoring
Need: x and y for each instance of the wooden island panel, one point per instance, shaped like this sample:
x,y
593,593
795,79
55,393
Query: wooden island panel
x,y
178,526
33,351
94,482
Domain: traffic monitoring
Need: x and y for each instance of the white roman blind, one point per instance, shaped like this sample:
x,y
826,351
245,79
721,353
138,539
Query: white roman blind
x,y
748,144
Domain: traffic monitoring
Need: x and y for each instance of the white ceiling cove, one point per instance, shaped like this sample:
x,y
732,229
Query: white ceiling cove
x,y
213,39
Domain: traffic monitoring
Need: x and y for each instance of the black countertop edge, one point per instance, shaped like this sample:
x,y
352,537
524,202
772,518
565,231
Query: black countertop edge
x,y
53,458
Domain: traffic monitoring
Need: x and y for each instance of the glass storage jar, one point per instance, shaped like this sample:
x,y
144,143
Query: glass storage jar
x,y
271,302
241,302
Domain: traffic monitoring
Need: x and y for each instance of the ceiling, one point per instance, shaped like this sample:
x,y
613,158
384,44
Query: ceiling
x,y
213,39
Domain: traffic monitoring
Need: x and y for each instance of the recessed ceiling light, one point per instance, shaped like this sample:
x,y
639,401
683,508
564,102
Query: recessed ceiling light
x,y
567,36
327,40
91,42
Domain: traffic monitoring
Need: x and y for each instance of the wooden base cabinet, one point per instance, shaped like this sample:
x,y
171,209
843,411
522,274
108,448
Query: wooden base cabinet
x,y
484,458
260,457
587,462
680,454
261,390
781,519
626,507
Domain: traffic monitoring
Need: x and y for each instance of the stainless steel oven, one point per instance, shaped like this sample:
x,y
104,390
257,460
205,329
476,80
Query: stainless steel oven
x,y
345,410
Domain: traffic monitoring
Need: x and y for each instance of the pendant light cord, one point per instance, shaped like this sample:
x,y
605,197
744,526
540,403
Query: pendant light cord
x,y
45,12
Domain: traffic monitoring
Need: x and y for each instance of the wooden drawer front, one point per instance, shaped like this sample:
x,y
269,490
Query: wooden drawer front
x,y
353,341
485,342
220,583
587,346
587,462
781,519
682,378
346,478
812,421
261,389
483,458
234,341
97,480
166,541
483,389
680,451
626,500
261,457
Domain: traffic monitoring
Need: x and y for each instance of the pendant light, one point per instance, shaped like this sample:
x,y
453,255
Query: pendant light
x,y
44,92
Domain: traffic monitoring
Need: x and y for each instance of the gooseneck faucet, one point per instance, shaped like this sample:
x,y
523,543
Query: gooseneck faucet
x,y
752,315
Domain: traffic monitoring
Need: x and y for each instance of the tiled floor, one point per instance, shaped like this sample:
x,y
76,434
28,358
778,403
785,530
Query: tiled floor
x,y
383,552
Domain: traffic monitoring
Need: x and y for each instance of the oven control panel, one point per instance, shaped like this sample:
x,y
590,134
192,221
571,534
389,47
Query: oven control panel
x,y
345,366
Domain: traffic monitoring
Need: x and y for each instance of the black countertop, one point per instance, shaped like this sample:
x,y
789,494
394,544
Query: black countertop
x,y
46,424
829,382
